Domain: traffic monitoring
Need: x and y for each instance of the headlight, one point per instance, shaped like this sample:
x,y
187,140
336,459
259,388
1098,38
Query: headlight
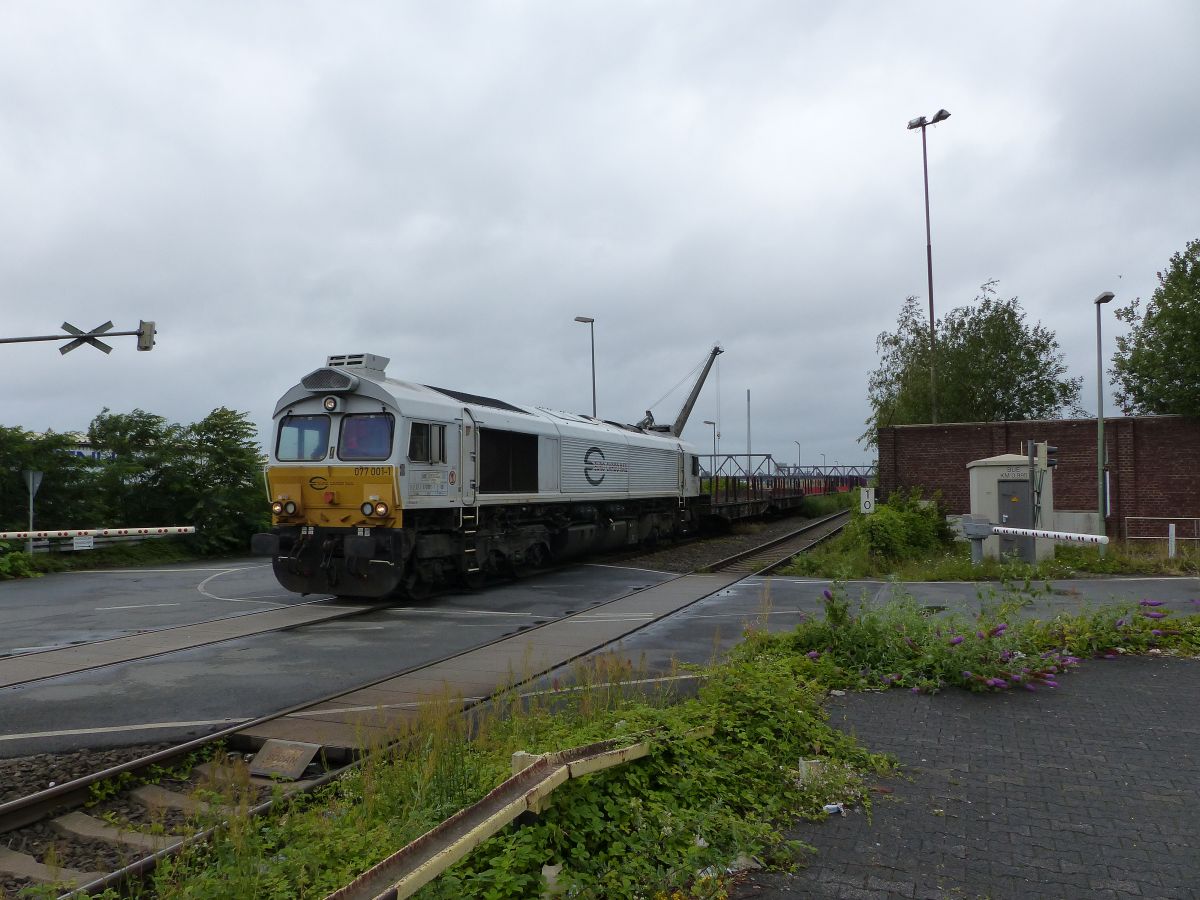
x,y
381,508
277,508
289,508
331,404
367,508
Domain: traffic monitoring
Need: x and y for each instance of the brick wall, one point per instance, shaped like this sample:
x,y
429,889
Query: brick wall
x,y
1154,462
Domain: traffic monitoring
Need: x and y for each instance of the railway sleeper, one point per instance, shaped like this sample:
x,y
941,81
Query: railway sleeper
x,y
23,865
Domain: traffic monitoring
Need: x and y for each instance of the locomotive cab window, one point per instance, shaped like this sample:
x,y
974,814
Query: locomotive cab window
x,y
366,436
427,443
302,437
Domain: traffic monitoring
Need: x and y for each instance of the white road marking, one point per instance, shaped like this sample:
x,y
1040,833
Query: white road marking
x,y
135,606
467,612
202,588
156,571
108,729
629,569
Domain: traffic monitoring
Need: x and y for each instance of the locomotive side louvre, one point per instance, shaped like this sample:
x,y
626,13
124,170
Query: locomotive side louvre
x,y
398,486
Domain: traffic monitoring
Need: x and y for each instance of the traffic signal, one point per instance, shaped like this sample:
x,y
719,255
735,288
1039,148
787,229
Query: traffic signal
x,y
145,335
1047,455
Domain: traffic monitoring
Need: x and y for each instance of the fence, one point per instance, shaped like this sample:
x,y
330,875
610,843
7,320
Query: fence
x,y
1157,528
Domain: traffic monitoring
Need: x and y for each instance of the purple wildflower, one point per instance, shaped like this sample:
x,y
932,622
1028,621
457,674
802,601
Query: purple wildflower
x,y
827,594
1155,615
813,654
1157,632
916,690
1150,603
966,674
1005,655
1121,623
1050,683
980,635
1029,687
998,630
957,639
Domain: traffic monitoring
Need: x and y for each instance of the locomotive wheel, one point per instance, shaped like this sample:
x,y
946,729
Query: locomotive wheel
x,y
416,588
535,558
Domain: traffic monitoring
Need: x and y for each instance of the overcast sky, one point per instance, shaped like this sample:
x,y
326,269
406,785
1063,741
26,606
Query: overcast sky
x,y
449,185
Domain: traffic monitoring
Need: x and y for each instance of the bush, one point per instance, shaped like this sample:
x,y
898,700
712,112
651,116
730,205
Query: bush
x,y
905,527
14,564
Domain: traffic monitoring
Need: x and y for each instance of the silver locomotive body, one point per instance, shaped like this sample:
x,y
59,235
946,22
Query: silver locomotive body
x,y
380,486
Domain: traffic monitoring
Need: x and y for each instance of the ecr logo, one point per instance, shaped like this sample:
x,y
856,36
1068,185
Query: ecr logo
x,y
595,467
593,463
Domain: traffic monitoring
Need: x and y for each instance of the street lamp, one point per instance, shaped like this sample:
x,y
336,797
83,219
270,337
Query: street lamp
x,y
822,463
797,443
920,122
1103,298
591,324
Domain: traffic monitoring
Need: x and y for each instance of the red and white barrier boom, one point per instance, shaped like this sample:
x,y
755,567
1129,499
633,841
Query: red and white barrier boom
x,y
1050,535
98,532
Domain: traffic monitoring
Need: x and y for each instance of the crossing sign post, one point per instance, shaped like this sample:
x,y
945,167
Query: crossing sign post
x,y
33,481
86,337
77,337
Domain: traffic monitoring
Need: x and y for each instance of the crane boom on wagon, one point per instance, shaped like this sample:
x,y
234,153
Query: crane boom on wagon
x,y
681,420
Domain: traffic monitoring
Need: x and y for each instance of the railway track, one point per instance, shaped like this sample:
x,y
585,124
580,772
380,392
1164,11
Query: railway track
x,y
767,557
339,725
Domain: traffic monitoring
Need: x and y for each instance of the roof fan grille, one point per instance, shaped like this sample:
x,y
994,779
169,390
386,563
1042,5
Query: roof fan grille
x,y
327,380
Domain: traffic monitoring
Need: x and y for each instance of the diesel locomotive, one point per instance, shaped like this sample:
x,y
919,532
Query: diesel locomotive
x,y
380,487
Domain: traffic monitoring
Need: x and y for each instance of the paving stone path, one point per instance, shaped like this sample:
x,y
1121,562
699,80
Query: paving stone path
x,y
1090,791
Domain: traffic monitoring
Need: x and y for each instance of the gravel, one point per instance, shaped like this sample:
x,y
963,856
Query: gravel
x,y
24,775
692,555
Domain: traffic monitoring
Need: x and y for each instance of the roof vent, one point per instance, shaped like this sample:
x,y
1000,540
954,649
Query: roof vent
x,y
329,380
367,364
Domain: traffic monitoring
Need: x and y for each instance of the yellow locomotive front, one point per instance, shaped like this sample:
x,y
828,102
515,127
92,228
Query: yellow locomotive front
x,y
333,488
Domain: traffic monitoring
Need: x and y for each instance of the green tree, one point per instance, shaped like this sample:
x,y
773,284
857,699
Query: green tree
x,y
1156,367
68,496
230,495
208,474
992,366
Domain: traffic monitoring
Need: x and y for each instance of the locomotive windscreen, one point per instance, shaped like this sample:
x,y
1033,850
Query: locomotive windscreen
x,y
508,462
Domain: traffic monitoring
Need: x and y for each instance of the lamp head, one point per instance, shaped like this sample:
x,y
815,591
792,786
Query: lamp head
x,y
917,122
585,320
1104,298
940,116
709,422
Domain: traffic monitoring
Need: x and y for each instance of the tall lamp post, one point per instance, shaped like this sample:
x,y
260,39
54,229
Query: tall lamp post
x,y
1102,299
921,122
797,443
591,324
